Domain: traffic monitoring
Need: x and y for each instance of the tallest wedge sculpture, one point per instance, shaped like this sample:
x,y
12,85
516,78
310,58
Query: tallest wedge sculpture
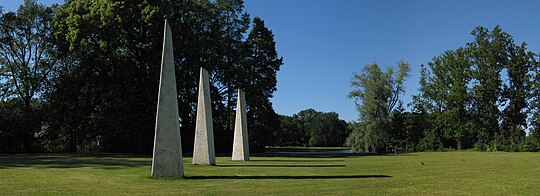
x,y
167,159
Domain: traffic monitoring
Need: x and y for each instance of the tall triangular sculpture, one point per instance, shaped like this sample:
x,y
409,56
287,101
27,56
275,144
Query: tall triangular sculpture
x,y
203,150
167,159
241,142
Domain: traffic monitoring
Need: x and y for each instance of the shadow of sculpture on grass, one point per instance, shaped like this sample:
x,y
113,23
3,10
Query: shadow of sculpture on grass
x,y
108,162
276,165
296,161
286,177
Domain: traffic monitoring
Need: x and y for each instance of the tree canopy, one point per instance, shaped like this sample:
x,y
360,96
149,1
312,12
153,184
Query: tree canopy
x,y
101,94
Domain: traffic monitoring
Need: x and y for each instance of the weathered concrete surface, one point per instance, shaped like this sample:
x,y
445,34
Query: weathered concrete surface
x,y
167,159
241,142
203,150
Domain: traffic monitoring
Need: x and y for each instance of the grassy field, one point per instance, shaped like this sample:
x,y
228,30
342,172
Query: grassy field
x,y
441,173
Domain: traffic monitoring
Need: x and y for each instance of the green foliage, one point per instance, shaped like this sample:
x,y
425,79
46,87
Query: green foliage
x,y
258,77
463,92
312,128
356,139
516,93
446,95
111,55
101,94
26,62
116,47
19,124
25,51
290,133
488,56
376,94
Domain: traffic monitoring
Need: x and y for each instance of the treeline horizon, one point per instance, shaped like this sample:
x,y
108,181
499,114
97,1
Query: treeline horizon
x,y
83,77
483,96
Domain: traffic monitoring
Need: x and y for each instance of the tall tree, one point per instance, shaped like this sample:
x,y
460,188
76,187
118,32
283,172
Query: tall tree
x,y
488,60
516,94
462,115
116,45
235,23
26,61
376,94
534,104
445,93
25,50
258,77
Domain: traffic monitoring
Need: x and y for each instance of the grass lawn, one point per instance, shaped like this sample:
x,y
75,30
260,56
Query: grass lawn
x,y
443,173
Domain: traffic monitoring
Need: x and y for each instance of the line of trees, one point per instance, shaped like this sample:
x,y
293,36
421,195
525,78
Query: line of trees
x,y
311,128
83,76
483,96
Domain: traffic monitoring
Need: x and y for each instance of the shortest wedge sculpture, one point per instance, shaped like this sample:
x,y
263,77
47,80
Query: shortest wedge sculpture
x,y
203,150
167,157
241,142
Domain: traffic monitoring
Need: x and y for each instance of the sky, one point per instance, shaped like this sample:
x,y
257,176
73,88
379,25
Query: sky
x,y
323,42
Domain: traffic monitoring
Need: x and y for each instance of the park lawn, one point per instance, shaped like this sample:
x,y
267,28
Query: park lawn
x,y
443,173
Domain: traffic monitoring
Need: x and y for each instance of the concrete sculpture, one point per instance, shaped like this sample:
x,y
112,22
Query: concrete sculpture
x,y
241,142
203,150
167,157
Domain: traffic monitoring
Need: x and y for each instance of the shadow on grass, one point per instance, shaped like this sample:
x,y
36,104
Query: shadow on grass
x,y
322,155
286,177
108,162
296,161
300,155
276,165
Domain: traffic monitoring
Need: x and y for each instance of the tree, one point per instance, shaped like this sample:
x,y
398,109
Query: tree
x,y
312,128
257,76
517,93
488,58
325,129
376,94
235,23
290,133
26,61
534,104
445,93
463,92
116,47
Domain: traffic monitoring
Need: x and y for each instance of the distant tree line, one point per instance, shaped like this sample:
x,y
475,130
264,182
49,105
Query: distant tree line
x,y
83,76
483,96
311,128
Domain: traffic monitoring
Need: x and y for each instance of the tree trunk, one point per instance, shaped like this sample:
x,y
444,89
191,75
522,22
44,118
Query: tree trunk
x,y
72,142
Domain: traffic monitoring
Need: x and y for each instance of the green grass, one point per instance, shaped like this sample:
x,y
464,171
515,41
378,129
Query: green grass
x,y
443,173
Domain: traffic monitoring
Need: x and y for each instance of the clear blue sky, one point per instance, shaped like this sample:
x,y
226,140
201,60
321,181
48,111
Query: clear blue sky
x,y
324,41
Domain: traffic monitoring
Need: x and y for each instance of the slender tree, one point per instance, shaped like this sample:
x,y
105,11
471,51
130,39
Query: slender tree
x,y
376,94
26,61
257,76
516,93
488,60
